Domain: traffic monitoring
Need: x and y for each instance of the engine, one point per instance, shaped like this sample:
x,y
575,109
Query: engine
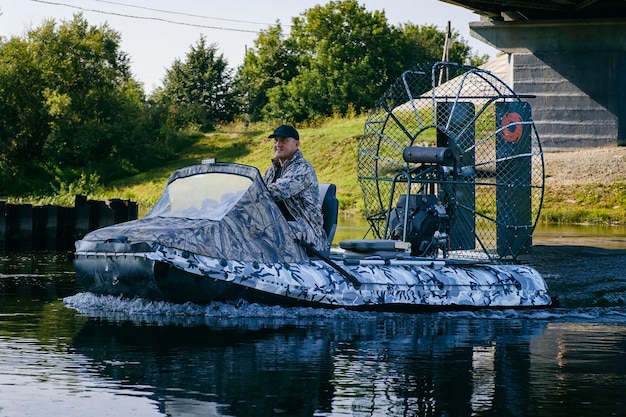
x,y
423,222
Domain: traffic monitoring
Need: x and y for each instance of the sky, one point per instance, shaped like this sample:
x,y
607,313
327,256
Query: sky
x,y
154,33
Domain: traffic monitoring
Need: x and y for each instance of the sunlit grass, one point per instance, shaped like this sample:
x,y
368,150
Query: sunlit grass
x,y
331,146
585,204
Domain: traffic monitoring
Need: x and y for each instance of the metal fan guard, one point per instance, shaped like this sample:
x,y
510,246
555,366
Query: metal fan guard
x,y
496,191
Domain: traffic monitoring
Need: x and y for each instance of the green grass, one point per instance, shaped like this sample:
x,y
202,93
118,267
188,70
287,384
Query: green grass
x,y
331,146
585,204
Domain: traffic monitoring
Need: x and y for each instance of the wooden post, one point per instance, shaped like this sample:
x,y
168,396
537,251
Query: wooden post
x,y
133,210
120,210
19,227
25,228
65,230
101,215
3,225
82,212
46,228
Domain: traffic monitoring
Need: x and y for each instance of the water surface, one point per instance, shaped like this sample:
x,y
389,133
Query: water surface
x,y
70,353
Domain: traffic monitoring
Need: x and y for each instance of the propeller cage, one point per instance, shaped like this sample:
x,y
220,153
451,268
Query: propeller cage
x,y
461,147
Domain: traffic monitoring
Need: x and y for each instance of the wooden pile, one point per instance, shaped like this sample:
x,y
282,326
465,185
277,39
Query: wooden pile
x,y
24,227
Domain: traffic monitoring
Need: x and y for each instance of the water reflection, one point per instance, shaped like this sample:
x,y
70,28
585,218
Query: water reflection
x,y
366,365
236,362
581,367
609,237
107,356
37,381
310,364
428,365
36,276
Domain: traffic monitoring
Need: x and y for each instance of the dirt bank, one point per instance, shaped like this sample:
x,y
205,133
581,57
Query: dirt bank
x,y
586,166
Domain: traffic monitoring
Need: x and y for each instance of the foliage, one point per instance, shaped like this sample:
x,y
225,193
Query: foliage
x,y
423,44
198,91
331,146
345,56
588,203
338,58
269,64
72,115
69,107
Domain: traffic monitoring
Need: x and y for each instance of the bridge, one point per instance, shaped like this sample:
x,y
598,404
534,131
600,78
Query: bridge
x,y
570,55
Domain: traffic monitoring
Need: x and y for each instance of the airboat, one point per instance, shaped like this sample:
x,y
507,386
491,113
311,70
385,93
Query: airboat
x,y
451,171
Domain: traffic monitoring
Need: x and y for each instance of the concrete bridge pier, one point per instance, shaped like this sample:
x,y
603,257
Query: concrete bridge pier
x,y
576,68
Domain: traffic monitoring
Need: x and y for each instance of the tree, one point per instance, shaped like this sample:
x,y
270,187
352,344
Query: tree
x,y
270,63
68,106
346,57
422,44
23,120
338,58
87,92
199,90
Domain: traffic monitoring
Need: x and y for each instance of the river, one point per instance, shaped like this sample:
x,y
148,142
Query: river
x,y
70,353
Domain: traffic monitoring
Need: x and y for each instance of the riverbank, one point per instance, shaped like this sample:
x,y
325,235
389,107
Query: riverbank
x,y
585,186
586,166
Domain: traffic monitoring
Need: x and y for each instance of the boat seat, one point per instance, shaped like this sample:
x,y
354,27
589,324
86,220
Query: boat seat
x,y
330,209
382,248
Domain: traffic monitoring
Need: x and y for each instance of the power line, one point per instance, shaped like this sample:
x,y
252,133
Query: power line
x,y
181,13
54,3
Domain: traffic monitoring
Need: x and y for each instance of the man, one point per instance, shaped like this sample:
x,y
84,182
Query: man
x,y
293,184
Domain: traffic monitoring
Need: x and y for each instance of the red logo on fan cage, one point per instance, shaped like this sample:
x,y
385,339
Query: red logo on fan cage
x,y
512,127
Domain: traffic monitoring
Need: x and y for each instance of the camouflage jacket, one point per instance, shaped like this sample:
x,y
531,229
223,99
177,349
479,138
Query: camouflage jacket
x,y
298,188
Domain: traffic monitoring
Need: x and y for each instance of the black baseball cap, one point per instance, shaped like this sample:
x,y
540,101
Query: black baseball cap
x,y
285,131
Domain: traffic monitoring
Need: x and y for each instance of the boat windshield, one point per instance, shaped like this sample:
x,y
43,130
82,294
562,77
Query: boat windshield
x,y
201,196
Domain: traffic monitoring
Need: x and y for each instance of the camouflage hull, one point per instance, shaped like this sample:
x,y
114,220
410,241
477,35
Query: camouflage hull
x,y
216,234
393,285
